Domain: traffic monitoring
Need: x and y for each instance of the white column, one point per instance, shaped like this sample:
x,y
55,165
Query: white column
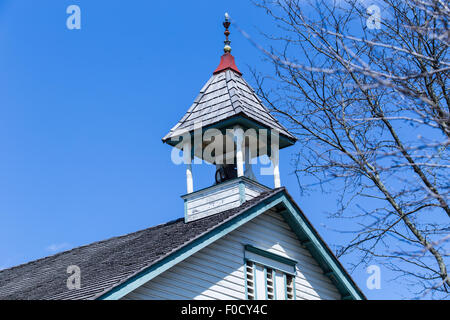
x,y
239,137
275,157
189,180
276,174
248,165
188,155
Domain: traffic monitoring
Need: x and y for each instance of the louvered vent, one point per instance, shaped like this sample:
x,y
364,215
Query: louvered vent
x,y
270,284
250,278
289,287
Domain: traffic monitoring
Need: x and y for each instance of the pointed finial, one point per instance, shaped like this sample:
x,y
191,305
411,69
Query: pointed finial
x,y
227,42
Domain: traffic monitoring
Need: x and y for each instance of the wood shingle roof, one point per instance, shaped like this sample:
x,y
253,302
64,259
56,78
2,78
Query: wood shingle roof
x,y
108,263
106,266
224,96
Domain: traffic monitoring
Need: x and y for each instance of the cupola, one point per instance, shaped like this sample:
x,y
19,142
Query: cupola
x,y
227,126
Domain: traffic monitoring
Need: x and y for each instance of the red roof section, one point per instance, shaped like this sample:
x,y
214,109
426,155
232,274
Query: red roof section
x,y
227,62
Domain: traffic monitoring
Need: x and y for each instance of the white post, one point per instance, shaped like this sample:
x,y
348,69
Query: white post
x,y
189,180
275,157
276,173
239,136
248,164
188,154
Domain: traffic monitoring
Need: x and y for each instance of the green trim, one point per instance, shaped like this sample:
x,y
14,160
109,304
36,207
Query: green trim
x,y
318,249
285,286
270,255
204,240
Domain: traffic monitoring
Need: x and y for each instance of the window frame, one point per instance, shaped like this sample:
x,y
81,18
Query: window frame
x,y
268,261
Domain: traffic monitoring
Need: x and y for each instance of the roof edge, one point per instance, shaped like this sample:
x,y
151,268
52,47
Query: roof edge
x,y
238,118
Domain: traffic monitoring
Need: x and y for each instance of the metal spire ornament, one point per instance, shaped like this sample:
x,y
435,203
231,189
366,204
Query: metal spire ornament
x,y
226,24
227,60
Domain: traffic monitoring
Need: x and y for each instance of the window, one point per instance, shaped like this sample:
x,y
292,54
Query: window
x,y
268,275
265,283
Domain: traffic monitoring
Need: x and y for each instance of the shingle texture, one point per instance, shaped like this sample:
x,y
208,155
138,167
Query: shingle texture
x,y
108,263
224,96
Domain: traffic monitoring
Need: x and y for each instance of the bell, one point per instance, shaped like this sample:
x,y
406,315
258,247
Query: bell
x,y
225,172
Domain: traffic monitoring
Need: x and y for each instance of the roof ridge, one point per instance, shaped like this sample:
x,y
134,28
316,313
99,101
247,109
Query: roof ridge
x,y
230,74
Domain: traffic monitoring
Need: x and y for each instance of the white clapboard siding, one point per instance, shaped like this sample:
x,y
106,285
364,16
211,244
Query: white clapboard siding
x,y
212,201
219,198
250,194
253,190
217,271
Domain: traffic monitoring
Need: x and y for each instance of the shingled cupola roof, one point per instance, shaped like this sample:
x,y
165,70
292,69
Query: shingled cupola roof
x,y
227,98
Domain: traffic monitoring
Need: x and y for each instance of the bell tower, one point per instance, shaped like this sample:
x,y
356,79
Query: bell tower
x,y
227,126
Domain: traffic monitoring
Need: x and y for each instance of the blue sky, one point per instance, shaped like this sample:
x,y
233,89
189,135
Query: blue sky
x,y
82,114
